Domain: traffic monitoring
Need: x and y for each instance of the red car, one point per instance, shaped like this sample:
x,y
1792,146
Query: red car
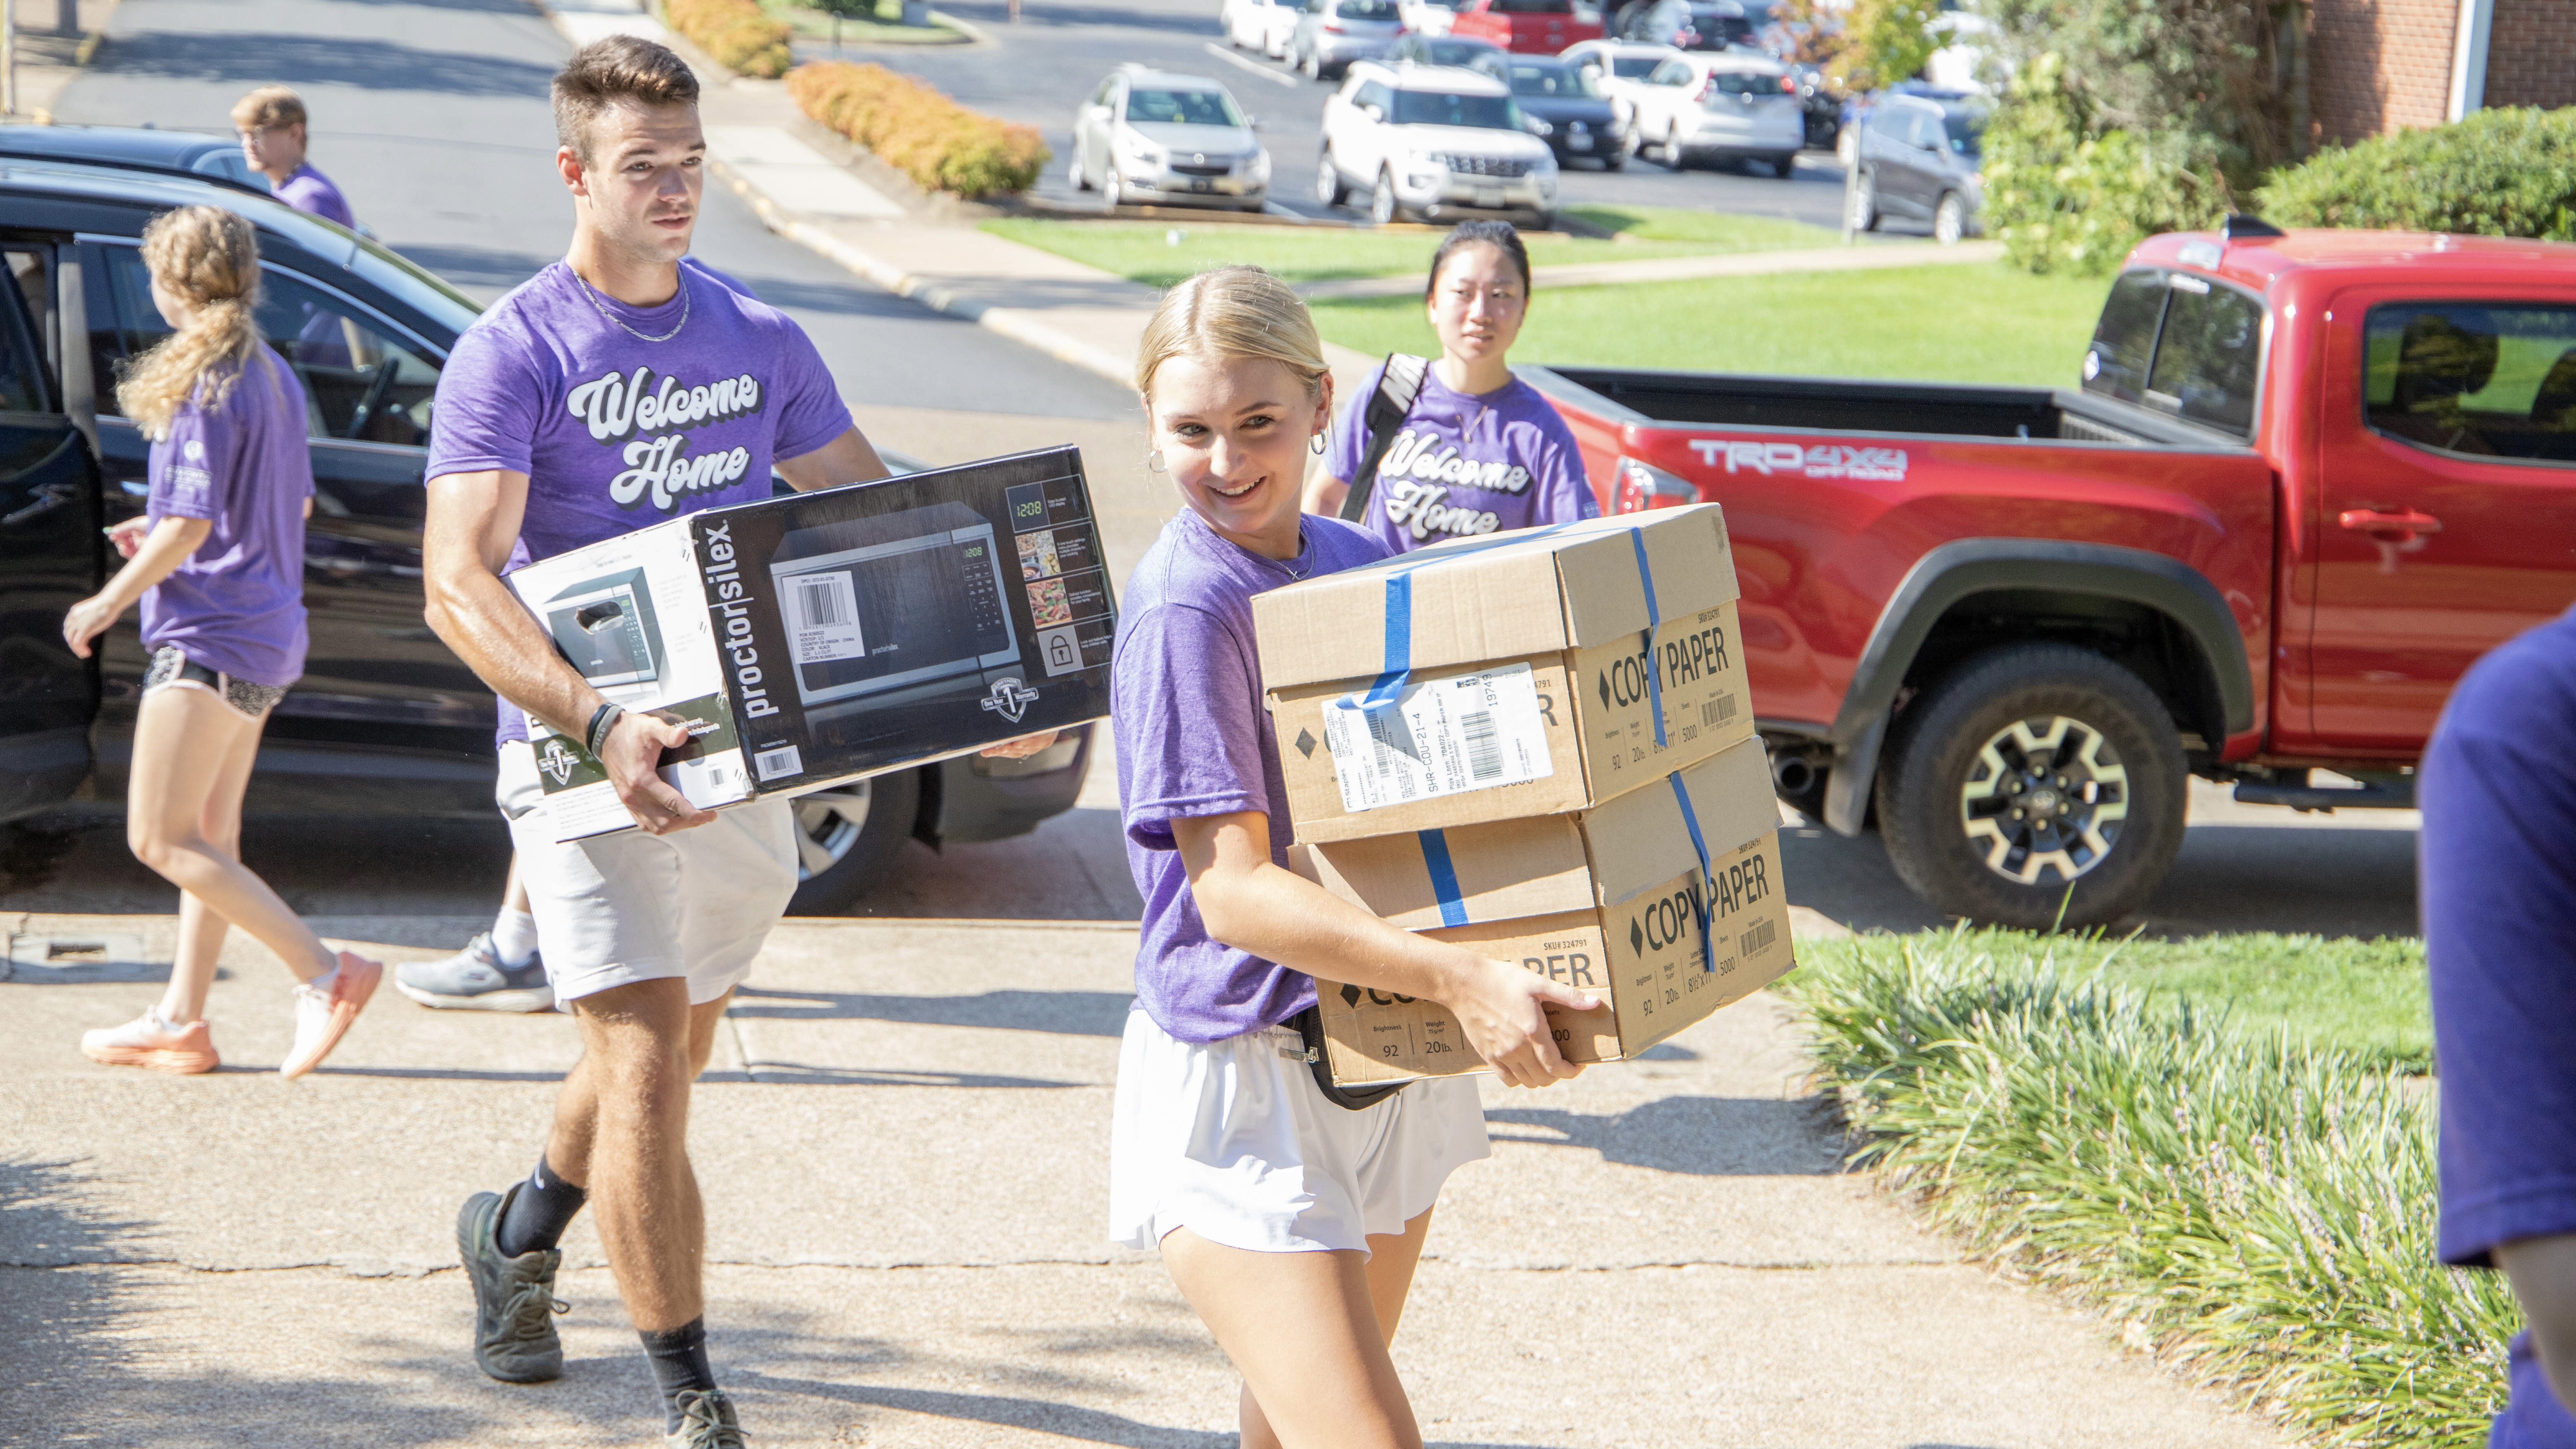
x,y
2305,481
1532,27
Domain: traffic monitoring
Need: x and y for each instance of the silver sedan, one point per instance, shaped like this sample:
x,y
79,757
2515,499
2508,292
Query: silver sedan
x,y
1149,138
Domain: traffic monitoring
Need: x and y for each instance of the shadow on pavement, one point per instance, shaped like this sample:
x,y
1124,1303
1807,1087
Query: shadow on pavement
x,y
1698,1136
59,1293
1067,1013
797,1074
249,58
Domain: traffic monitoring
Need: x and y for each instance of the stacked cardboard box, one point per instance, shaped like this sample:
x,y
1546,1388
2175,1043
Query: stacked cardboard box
x,y
1538,745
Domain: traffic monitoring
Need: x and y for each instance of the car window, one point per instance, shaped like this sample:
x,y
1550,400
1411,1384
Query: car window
x,y
1531,7
22,386
1634,67
35,292
1743,83
1556,81
1455,52
1374,10
2209,356
2487,379
1440,108
1183,108
1965,130
2125,338
359,383
1104,95
1373,94
1672,71
1929,134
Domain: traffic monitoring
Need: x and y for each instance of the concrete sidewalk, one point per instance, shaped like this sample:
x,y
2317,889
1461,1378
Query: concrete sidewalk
x,y
903,1145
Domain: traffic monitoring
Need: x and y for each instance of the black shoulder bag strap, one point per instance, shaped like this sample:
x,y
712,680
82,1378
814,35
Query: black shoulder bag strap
x,y
1310,1029
1397,387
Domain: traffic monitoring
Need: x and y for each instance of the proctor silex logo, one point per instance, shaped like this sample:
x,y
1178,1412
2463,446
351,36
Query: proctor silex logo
x,y
1825,460
557,762
732,618
1010,698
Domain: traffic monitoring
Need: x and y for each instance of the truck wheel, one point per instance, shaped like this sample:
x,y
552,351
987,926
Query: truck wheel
x,y
2025,772
847,839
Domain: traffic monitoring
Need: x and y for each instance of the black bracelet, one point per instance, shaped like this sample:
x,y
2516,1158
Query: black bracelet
x,y
602,720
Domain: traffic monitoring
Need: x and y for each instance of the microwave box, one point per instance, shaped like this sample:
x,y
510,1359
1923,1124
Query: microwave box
x,y
1508,676
814,638
1611,900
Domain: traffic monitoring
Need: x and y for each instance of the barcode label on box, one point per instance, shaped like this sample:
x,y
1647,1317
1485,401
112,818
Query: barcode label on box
x,y
778,762
1717,711
822,613
1439,737
1764,932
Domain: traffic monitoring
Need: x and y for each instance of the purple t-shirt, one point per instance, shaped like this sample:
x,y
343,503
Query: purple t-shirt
x,y
236,605
616,432
1464,464
2498,787
311,192
1193,739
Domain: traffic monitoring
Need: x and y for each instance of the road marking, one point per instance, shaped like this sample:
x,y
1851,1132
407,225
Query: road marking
x,y
1263,71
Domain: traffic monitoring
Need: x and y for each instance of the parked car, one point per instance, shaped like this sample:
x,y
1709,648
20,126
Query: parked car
x,y
1531,27
1820,106
1856,109
1698,107
1918,159
1333,33
1262,25
1440,50
1149,137
1618,68
1562,104
1439,142
1427,17
385,720
1692,25
175,153
2296,492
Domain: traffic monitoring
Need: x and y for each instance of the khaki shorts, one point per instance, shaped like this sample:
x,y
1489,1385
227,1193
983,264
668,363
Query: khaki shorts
x,y
617,909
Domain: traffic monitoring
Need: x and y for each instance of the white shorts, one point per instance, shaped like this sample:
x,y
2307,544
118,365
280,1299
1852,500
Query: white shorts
x,y
1233,1140
617,909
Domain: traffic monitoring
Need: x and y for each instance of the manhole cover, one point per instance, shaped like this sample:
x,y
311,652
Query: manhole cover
x,y
82,958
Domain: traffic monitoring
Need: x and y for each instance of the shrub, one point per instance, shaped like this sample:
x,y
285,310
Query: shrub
x,y
940,144
738,33
2505,172
2261,1211
2065,200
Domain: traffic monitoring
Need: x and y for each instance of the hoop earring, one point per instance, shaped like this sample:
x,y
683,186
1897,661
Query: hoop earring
x,y
1154,462
1315,445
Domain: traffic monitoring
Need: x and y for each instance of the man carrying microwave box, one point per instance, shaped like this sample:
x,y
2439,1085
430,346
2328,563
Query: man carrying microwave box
x,y
621,386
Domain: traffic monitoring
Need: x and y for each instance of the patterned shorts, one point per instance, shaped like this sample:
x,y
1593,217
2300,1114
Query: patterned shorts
x,y
171,668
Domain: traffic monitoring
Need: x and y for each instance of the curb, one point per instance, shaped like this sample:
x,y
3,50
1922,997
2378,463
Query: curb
x,y
1006,321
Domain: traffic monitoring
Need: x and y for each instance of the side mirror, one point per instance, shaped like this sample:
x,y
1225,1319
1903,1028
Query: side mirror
x,y
1374,113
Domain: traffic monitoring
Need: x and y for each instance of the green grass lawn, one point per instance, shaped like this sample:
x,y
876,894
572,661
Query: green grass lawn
x,y
1147,252
2363,997
887,28
1980,323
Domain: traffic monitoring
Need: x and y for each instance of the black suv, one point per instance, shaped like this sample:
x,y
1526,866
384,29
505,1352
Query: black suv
x,y
385,720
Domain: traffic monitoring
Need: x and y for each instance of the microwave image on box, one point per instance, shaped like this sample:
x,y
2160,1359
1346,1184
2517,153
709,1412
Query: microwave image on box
x,y
873,604
605,627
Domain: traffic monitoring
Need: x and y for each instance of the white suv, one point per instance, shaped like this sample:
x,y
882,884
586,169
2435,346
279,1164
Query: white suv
x,y
1439,142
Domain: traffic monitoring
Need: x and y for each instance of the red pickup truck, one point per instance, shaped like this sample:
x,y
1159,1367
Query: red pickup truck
x,y
2306,480
1532,27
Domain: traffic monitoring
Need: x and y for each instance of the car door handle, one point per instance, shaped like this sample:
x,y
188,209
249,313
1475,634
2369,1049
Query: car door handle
x,y
49,497
2405,521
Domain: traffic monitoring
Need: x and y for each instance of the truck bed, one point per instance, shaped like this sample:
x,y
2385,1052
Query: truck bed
x,y
1846,405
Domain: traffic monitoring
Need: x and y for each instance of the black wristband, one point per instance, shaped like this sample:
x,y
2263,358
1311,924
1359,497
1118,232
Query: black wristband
x,y
602,720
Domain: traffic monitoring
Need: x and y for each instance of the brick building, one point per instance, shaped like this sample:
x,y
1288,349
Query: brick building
x,y
2379,66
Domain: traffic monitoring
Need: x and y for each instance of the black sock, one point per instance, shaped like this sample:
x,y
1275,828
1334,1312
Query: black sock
x,y
538,1213
679,1365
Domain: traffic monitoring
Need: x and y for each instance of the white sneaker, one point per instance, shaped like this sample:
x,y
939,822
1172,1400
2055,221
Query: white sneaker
x,y
152,1042
323,1017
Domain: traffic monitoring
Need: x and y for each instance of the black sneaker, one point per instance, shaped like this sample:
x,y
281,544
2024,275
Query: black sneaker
x,y
514,1298
706,1422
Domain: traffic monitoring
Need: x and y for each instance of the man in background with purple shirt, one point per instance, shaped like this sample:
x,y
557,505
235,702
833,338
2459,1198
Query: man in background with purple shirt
x,y
272,125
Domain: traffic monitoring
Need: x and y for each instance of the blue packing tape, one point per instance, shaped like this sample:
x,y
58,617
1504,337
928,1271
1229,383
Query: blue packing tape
x,y
1444,877
1654,617
1706,907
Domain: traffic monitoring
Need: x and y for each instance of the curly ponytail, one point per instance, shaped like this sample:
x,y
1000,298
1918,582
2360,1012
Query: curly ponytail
x,y
208,258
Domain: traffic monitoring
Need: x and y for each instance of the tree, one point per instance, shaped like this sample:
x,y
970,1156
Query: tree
x,y
1866,44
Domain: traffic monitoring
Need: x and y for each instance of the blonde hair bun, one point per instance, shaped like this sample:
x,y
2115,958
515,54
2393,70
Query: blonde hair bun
x,y
1237,311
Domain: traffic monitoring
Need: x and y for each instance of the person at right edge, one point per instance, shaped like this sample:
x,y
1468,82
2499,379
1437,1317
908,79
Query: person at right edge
x,y
1476,450
1290,1215
645,933
2498,791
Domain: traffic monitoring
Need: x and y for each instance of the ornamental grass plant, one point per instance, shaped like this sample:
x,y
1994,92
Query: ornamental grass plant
x,y
910,126
2256,1209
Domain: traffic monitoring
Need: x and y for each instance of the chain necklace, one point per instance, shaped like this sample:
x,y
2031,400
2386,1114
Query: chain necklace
x,y
602,307
1289,565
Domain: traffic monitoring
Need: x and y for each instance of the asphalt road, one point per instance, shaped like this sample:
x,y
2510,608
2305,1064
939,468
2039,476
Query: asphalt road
x,y
1038,70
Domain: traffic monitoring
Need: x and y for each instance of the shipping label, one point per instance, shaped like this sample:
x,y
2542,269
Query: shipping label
x,y
1442,736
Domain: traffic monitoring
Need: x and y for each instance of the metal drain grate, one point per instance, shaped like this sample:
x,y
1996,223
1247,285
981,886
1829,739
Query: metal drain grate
x,y
35,960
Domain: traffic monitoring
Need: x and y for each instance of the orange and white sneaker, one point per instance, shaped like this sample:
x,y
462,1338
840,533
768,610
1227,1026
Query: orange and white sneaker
x,y
150,1041
322,1016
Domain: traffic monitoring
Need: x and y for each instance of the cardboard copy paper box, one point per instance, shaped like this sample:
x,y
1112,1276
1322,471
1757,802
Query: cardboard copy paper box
x,y
814,638
1609,900
1529,674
